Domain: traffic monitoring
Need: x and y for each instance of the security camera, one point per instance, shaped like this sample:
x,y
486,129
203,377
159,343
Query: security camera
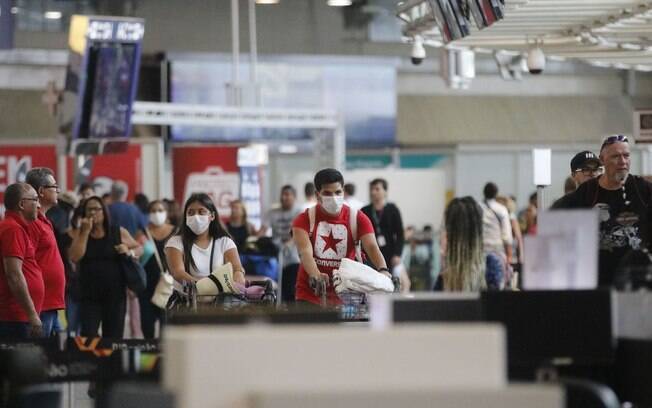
x,y
536,61
418,51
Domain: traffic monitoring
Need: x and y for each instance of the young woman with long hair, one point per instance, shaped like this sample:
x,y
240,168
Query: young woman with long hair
x,y
464,258
189,252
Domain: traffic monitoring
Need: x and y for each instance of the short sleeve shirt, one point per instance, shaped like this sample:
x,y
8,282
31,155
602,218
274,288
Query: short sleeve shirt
x,y
201,256
331,241
15,242
49,260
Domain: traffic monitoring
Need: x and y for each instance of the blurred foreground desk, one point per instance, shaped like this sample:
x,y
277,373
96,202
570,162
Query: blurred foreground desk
x,y
514,396
216,366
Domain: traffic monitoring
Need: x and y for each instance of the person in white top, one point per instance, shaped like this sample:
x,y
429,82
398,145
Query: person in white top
x,y
349,197
496,227
202,237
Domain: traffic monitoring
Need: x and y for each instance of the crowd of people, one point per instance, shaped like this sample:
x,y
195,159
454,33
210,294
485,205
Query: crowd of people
x,y
62,250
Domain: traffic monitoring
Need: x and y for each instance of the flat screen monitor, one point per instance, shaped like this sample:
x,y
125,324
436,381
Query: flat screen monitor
x,y
109,96
554,328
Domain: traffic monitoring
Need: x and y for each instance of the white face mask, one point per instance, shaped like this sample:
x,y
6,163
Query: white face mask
x,y
332,204
158,218
198,223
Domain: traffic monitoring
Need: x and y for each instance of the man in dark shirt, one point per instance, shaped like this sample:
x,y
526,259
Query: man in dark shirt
x,y
387,222
584,166
624,204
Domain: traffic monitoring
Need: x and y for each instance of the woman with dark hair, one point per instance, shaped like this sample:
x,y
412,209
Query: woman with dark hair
x,y
201,237
159,230
96,246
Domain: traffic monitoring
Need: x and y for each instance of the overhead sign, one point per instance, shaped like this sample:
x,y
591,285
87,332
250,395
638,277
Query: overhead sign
x,y
101,77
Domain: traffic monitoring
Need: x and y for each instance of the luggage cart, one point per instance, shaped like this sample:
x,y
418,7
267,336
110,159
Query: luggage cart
x,y
191,301
354,306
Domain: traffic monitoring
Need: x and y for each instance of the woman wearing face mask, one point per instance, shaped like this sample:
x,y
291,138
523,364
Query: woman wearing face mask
x,y
159,230
201,237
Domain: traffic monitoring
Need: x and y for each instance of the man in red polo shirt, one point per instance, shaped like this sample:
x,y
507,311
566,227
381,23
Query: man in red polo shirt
x,y
47,252
21,282
322,249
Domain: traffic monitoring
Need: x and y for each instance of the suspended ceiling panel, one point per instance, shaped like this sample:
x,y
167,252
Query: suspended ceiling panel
x,y
611,33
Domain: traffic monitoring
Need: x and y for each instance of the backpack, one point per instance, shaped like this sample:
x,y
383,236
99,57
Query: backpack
x,y
353,226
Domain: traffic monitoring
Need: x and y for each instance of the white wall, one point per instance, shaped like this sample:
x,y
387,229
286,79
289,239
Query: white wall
x,y
420,194
510,167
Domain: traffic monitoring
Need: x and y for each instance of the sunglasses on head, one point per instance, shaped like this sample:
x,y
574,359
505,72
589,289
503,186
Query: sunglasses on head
x,y
614,139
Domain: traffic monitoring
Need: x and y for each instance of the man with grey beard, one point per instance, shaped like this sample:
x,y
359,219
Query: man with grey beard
x,y
625,206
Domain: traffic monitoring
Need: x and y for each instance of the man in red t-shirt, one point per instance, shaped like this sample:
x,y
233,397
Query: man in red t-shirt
x,y
48,256
331,238
21,282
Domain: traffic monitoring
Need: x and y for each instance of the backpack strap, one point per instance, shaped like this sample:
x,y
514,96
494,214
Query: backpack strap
x,y
311,219
353,226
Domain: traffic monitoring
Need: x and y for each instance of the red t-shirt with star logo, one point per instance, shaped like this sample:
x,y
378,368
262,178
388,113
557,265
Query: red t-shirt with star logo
x,y
331,241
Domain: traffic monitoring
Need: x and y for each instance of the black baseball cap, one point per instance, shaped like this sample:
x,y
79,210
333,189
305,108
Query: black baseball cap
x,y
583,160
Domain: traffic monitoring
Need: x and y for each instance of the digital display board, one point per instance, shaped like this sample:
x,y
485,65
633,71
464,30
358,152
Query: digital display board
x,y
102,76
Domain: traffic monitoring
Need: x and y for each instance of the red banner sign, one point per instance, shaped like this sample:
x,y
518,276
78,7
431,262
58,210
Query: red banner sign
x,y
104,169
208,169
17,160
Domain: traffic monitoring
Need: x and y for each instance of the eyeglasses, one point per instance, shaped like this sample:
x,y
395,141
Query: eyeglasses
x,y
614,139
590,172
93,209
30,199
54,186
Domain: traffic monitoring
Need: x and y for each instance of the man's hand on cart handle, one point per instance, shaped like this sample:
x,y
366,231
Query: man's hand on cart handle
x,y
318,284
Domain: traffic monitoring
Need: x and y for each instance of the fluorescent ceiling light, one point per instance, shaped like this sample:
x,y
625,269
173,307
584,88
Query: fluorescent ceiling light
x,y
267,1
339,3
52,15
288,149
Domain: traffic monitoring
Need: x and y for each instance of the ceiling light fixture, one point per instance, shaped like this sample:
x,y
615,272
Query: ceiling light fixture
x,y
267,1
339,3
52,15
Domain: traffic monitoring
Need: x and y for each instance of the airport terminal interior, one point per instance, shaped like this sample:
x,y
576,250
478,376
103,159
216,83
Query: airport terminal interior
x,y
325,203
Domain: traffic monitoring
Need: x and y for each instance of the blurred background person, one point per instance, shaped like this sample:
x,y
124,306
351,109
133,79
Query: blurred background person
x,y
85,190
280,221
349,197
238,226
174,212
159,230
388,227
309,194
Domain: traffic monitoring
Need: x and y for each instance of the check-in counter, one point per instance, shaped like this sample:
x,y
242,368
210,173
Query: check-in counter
x,y
216,366
514,396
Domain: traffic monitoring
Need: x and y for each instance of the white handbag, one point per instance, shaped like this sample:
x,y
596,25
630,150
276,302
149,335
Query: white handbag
x,y
164,286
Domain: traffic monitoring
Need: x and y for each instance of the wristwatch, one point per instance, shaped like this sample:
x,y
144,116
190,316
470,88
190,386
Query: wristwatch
x,y
383,270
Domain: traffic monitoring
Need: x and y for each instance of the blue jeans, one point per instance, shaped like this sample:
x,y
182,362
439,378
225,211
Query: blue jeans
x,y
50,320
73,317
14,330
